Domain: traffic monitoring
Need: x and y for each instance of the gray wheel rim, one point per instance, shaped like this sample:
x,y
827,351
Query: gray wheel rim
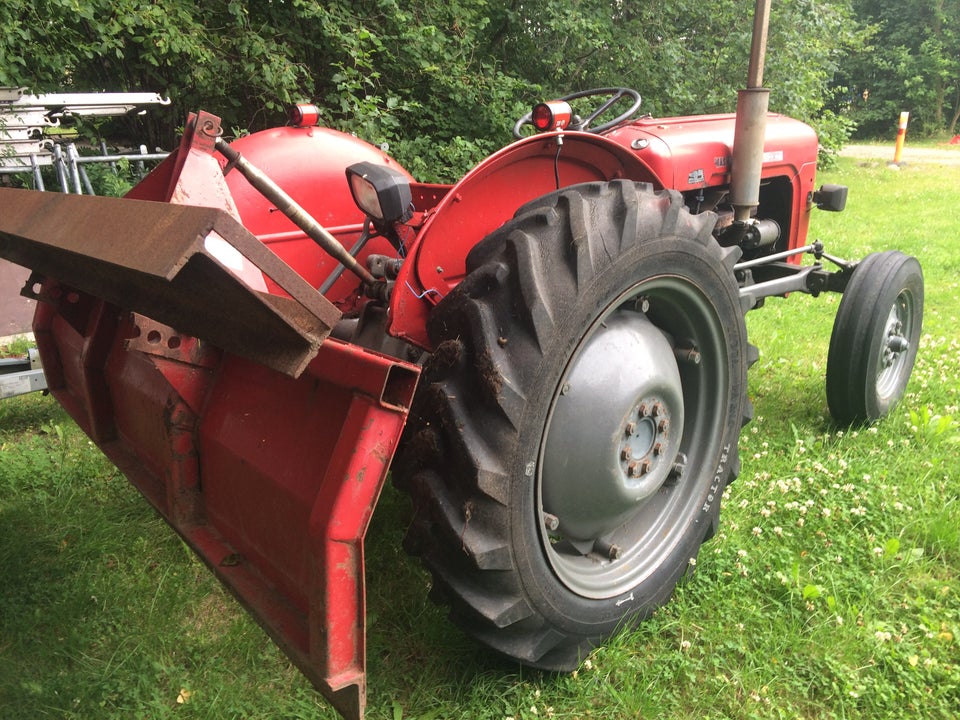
x,y
893,361
611,510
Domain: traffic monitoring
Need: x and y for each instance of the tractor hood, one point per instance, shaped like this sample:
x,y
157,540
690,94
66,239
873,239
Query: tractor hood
x,y
687,153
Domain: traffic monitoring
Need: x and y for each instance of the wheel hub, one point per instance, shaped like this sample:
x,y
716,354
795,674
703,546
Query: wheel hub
x,y
615,428
645,437
893,350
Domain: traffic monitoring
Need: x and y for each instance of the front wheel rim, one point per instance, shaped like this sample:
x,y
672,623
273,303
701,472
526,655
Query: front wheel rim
x,y
607,556
893,361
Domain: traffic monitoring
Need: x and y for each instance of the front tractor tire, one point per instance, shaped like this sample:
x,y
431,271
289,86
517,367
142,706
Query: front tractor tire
x,y
875,338
578,420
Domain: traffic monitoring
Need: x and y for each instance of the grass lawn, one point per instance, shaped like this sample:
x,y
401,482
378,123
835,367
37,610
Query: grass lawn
x,y
831,591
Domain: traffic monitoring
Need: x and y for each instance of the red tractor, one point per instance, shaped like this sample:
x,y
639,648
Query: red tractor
x,y
550,355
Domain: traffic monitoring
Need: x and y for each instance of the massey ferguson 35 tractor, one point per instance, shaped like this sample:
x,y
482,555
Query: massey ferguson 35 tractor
x,y
550,356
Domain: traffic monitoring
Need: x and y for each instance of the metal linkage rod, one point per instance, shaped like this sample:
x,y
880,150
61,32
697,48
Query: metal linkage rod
x,y
289,207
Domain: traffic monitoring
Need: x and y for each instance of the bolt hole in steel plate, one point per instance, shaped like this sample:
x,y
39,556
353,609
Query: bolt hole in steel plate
x,y
624,413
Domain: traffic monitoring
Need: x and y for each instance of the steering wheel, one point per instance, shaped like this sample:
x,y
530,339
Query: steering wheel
x,y
612,96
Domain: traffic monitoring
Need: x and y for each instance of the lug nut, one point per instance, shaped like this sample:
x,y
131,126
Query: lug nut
x,y
607,550
898,343
688,355
551,522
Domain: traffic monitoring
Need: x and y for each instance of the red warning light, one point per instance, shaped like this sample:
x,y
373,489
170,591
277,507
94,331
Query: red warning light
x,y
304,115
553,115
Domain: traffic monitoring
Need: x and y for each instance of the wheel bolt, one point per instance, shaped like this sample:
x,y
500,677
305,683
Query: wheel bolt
x,y
625,454
898,343
607,550
657,448
631,428
663,425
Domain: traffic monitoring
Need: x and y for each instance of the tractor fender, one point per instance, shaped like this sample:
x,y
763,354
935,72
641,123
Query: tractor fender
x,y
488,196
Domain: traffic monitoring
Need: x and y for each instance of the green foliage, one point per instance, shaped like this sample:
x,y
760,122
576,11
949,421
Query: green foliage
x,y
912,63
440,82
15,347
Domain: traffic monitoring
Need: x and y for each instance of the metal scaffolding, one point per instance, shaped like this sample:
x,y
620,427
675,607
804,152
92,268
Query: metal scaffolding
x,y
26,145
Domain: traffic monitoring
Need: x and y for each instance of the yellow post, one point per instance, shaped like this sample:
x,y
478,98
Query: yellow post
x,y
901,136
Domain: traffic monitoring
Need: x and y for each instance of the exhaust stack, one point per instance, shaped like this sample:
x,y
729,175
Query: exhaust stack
x,y
751,125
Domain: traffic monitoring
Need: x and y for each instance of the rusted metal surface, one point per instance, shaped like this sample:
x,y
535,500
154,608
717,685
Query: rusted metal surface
x,y
163,260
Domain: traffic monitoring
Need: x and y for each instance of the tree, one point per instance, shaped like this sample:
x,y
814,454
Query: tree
x,y
912,63
440,81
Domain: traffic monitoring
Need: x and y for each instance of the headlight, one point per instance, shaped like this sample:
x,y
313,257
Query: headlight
x,y
381,192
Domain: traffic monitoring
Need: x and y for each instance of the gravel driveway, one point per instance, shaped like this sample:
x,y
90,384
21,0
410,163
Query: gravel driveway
x,y
943,155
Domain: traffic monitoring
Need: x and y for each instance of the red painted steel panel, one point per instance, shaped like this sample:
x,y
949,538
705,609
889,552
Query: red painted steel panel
x,y
271,479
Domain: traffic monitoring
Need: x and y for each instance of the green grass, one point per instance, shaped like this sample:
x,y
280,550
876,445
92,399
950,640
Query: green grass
x,y
831,590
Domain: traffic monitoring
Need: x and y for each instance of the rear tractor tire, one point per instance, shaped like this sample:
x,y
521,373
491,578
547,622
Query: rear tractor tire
x,y
875,338
578,422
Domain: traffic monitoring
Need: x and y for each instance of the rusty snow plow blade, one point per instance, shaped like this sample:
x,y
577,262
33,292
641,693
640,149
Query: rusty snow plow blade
x,y
263,441
172,263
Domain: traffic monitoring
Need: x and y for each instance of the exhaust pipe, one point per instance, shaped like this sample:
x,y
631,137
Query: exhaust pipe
x,y
751,124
